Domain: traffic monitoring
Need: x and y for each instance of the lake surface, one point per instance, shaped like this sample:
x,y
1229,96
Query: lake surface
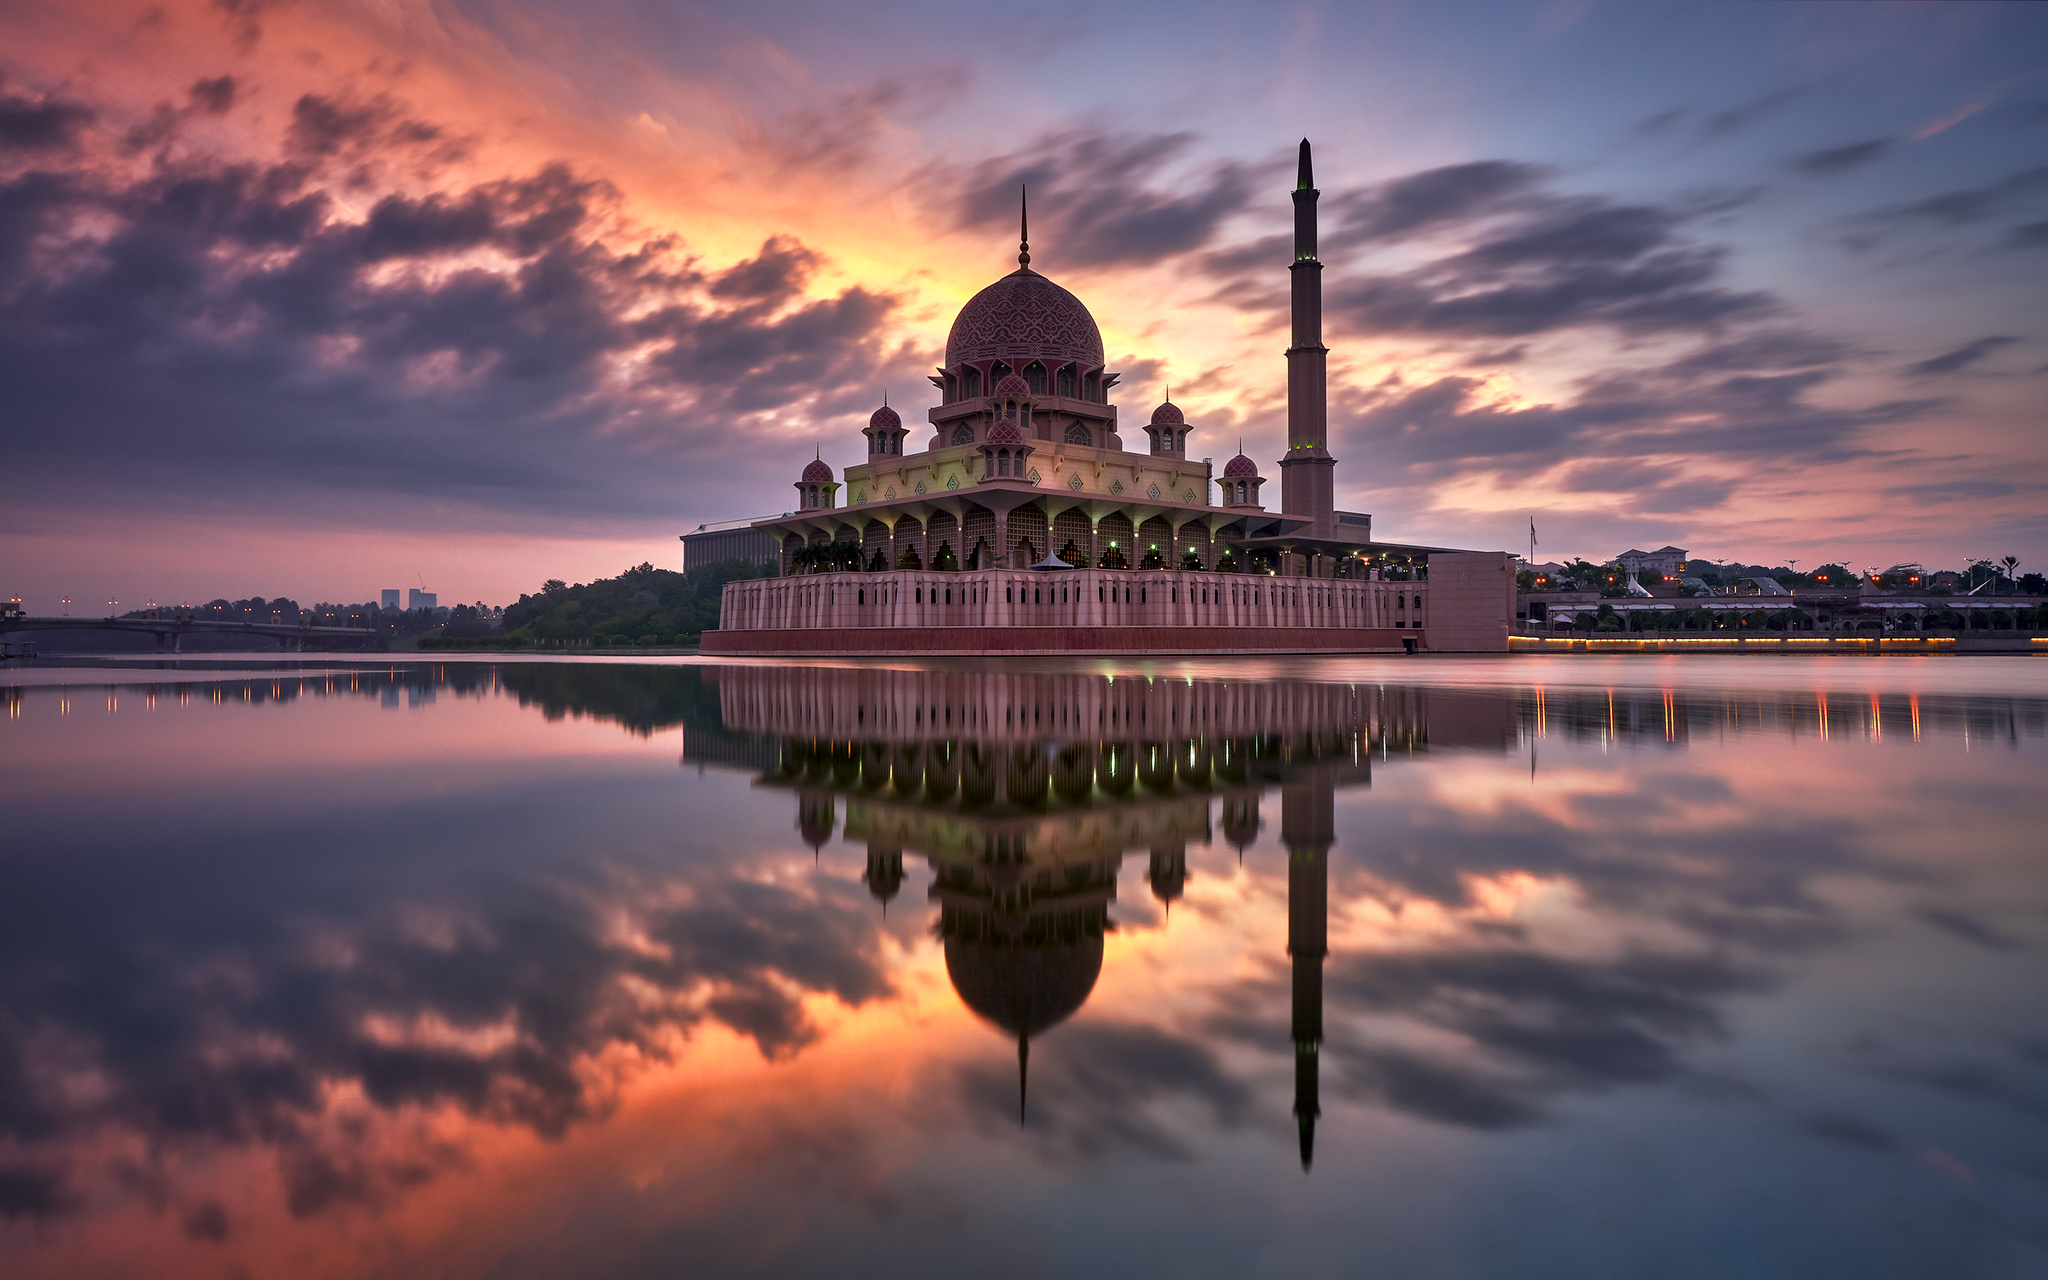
x,y
1543,967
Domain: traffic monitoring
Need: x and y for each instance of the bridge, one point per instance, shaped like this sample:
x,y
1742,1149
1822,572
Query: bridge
x,y
170,632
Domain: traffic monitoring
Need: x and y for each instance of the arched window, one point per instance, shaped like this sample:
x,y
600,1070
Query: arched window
x,y
1063,382
970,383
996,373
963,434
1003,463
1034,377
1078,434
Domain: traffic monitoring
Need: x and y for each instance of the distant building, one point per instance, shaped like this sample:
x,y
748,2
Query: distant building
x,y
391,598
418,599
731,540
1668,561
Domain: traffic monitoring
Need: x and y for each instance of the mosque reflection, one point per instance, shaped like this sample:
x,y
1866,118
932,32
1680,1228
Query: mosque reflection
x,y
1024,792
471,950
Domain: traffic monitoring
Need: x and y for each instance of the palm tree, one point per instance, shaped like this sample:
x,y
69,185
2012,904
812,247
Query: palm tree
x,y
2011,563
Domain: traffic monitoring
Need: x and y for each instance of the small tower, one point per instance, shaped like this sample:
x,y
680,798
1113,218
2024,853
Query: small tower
x,y
1241,822
885,432
1005,452
816,814
1013,398
1168,430
884,876
816,491
1241,482
1168,871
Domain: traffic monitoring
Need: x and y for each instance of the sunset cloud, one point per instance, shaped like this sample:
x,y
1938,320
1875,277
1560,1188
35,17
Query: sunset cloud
x,y
613,274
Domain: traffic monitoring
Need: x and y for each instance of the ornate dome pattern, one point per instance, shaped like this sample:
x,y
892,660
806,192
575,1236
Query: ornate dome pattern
x,y
1168,415
1240,468
816,472
1024,317
1006,432
1012,387
885,419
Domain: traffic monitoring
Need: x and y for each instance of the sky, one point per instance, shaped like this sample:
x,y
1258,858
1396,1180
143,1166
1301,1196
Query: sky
x,y
317,299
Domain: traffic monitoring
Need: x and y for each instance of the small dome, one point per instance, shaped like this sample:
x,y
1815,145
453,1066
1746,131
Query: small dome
x,y
1167,415
1240,468
1012,387
817,472
1006,432
885,419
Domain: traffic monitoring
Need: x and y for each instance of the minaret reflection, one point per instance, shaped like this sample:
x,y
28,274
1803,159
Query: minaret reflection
x,y
1308,829
1024,791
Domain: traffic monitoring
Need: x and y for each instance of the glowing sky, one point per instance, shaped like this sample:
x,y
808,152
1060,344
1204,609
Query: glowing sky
x,y
322,298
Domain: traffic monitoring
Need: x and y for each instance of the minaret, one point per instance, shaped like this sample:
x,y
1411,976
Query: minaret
x,y
1307,473
1307,830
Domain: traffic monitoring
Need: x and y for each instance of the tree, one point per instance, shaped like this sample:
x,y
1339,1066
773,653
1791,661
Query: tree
x,y
1583,574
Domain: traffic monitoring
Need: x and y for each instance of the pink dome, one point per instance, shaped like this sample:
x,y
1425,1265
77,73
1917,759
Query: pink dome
x,y
1012,387
817,472
1006,432
885,419
1024,317
1240,468
1167,415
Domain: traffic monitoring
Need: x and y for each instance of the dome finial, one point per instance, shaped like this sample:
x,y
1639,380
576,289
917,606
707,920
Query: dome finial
x,y
885,398
1023,226
1169,393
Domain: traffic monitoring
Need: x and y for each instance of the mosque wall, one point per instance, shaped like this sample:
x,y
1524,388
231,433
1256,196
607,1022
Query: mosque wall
x,y
910,602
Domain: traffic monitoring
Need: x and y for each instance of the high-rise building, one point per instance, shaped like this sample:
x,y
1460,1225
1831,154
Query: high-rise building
x,y
418,599
391,598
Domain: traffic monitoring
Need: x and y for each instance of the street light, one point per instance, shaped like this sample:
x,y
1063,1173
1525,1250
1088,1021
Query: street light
x,y
67,606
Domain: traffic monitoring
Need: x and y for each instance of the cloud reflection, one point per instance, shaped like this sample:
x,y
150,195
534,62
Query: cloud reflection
x,y
516,959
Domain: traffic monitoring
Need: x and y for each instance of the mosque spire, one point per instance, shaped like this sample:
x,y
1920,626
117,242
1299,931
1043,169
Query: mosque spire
x,y
1023,1071
1023,228
1307,484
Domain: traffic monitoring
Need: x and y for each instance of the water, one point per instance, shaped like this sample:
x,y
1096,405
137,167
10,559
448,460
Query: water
x,y
1577,968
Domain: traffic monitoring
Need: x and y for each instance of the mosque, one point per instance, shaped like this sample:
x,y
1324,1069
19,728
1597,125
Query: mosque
x,y
1024,525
